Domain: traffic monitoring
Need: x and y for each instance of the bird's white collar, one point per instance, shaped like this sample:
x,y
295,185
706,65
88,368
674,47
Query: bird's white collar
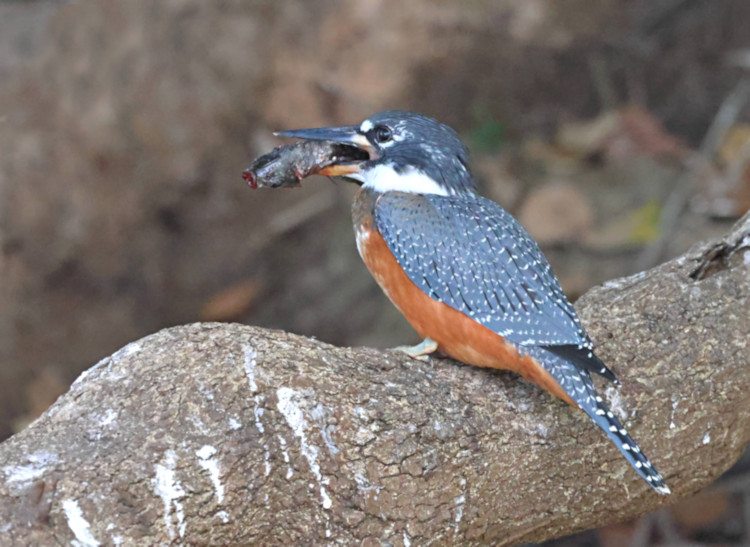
x,y
384,178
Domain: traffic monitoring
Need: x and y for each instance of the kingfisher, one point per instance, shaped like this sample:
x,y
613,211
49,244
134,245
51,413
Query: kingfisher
x,y
465,274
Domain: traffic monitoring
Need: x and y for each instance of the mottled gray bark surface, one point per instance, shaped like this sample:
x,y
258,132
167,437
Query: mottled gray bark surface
x,y
215,433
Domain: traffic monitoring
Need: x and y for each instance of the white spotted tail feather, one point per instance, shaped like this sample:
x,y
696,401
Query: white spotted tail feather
x,y
605,419
578,385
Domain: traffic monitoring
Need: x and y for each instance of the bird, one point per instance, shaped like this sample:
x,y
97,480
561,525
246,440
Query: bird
x,y
463,272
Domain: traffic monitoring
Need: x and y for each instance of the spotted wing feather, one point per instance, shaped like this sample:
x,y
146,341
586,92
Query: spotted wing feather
x,y
471,254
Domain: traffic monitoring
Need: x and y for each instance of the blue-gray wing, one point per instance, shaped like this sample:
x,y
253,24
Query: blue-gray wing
x,y
471,254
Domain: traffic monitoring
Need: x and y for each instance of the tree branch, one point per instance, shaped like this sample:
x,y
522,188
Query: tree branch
x,y
216,434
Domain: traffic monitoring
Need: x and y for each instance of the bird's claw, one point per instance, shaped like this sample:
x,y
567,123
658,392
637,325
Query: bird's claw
x,y
421,351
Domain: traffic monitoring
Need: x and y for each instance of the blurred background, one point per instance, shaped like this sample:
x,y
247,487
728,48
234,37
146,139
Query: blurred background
x,y
618,132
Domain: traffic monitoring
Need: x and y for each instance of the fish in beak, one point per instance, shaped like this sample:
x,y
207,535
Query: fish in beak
x,y
350,154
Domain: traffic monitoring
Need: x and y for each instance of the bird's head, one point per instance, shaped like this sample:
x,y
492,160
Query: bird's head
x,y
406,152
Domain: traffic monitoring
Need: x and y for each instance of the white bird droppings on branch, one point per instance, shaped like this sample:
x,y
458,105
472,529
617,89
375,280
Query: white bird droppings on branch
x,y
208,462
78,525
288,405
170,492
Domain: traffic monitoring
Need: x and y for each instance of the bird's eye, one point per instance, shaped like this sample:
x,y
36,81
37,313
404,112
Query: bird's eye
x,y
382,134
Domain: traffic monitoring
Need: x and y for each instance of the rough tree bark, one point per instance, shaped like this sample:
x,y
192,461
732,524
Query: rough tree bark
x,y
214,433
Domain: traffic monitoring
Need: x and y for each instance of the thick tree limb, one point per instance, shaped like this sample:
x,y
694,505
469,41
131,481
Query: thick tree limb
x,y
215,433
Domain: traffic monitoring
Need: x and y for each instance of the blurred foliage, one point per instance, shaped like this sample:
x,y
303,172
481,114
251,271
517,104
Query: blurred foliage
x,y
645,221
488,134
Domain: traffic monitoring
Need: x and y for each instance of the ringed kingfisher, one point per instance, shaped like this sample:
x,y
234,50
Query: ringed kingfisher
x,y
462,270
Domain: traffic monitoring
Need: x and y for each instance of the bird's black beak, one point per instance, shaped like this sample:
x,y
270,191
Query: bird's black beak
x,y
347,135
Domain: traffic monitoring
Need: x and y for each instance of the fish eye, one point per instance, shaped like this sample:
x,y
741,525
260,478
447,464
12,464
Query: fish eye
x,y
382,134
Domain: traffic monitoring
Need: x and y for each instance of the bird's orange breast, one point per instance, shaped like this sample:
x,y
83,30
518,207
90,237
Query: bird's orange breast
x,y
457,334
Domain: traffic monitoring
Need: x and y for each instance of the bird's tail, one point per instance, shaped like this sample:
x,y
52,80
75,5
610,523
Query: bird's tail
x,y
578,385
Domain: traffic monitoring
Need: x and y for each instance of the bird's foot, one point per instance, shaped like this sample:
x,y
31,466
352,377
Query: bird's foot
x,y
421,351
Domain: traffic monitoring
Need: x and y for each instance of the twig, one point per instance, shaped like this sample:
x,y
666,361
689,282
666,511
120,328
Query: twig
x,y
683,189
603,85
